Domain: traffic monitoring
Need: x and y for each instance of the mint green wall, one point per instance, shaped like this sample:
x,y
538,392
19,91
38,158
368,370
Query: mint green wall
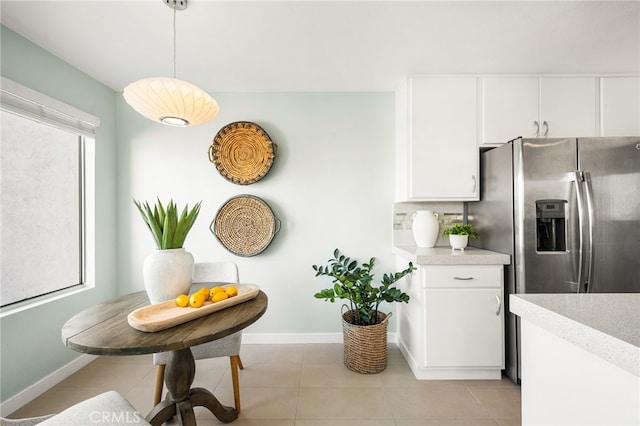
x,y
332,185
31,347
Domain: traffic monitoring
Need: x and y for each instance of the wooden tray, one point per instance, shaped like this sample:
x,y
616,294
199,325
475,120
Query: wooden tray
x,y
167,314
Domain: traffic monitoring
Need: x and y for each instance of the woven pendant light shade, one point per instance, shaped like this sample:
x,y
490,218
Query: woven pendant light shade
x,y
171,101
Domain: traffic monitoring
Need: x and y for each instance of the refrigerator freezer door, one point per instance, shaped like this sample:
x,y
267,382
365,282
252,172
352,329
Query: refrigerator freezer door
x,y
614,168
547,228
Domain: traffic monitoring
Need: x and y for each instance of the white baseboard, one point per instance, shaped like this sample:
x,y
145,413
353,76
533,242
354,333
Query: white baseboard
x,y
41,386
35,390
298,338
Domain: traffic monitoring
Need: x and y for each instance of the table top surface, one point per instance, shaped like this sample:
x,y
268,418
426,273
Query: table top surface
x,y
103,329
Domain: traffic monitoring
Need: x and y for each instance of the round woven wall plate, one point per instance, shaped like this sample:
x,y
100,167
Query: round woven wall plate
x,y
242,152
245,225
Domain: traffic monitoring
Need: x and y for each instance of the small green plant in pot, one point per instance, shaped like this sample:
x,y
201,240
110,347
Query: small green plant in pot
x,y
168,271
354,282
364,328
459,234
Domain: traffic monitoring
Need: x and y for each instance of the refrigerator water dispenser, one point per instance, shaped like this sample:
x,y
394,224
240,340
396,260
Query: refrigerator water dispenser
x,y
551,231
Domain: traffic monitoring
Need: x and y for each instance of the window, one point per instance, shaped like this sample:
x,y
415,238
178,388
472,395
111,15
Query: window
x,y
43,194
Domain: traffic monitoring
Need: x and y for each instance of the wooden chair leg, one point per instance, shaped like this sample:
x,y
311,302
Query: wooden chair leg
x,y
159,384
235,362
240,363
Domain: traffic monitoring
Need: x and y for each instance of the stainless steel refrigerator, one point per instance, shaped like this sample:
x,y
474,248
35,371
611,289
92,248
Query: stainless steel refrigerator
x,y
568,213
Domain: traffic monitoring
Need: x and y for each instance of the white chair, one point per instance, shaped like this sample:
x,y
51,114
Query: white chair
x,y
109,408
210,272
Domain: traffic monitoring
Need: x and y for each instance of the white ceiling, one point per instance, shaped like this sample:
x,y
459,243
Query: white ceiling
x,y
332,46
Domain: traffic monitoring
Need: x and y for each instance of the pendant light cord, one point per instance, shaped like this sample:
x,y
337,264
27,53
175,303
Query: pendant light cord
x,y
174,40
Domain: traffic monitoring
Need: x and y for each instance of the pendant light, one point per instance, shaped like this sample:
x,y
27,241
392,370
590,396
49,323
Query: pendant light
x,y
169,100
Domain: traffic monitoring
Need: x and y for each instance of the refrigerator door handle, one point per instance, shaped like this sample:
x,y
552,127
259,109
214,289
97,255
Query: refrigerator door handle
x,y
588,190
577,178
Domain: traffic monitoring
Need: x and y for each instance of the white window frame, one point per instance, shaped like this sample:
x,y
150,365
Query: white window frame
x,y
21,100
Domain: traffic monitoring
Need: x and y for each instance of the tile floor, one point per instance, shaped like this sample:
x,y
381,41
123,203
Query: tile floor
x,y
302,385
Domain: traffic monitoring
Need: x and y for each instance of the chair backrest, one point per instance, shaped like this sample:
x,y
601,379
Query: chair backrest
x,y
224,272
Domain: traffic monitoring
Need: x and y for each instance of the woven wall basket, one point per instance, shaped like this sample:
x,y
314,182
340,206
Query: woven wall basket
x,y
365,346
245,225
242,152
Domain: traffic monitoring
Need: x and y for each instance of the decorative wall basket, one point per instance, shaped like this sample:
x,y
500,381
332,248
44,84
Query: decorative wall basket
x,y
245,225
242,152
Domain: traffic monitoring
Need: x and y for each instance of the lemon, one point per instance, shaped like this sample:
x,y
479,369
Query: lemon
x,y
182,300
196,300
205,292
231,291
219,296
216,289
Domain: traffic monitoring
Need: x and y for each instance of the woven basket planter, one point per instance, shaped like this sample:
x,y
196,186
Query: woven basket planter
x,y
365,346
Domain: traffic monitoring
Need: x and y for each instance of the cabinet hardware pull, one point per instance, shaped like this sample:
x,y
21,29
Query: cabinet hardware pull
x,y
463,278
546,128
537,132
499,305
474,184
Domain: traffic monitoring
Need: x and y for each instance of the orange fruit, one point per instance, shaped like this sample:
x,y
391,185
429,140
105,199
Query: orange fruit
x,y
196,300
220,296
182,300
205,292
231,291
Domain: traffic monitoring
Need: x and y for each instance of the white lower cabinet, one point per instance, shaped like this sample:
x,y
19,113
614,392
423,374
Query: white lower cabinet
x,y
453,326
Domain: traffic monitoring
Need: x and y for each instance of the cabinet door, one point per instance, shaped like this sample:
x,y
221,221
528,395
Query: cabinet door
x,y
509,108
568,107
464,328
620,106
443,154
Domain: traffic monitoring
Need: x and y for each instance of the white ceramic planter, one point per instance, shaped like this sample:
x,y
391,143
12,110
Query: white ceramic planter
x,y
167,273
458,242
425,228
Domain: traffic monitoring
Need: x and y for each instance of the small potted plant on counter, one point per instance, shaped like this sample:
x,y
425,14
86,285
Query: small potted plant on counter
x,y
459,234
364,327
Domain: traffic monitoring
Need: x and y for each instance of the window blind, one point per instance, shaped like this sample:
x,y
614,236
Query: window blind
x,y
29,103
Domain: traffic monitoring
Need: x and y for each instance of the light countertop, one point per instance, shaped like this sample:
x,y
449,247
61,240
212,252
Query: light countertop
x,y
446,256
607,325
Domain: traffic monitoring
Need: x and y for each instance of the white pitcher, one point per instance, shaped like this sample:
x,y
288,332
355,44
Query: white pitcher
x,y
425,228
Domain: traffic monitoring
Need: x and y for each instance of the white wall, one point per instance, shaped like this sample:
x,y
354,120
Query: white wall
x,y
332,185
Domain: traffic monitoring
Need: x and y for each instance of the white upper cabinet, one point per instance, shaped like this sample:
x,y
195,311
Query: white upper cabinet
x,y
442,141
568,107
538,107
620,106
510,108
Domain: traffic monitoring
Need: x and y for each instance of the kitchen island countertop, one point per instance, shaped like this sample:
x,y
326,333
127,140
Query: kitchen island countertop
x,y
607,325
441,255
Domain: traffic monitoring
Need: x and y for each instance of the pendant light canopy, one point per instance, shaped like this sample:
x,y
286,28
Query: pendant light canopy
x,y
169,100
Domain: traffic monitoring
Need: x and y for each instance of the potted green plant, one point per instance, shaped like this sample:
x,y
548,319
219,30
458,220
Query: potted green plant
x,y
167,272
459,234
364,326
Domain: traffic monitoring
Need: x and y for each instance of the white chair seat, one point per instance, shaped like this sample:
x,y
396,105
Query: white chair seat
x,y
226,346
109,408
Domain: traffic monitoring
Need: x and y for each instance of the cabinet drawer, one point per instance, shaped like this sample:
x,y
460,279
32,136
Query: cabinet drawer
x,y
462,276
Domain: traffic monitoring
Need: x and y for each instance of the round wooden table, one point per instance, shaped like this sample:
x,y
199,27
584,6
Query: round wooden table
x,y
103,329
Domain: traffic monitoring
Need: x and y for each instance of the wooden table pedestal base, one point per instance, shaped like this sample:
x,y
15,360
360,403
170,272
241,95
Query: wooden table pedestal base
x,y
180,400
